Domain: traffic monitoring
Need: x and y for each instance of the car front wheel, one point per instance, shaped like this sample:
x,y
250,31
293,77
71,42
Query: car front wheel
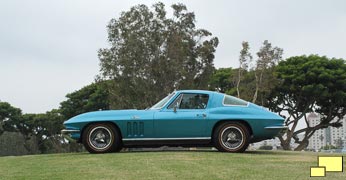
x,y
101,138
231,137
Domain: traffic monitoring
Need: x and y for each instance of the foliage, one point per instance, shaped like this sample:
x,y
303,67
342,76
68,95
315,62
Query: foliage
x,y
46,127
247,86
254,80
93,97
327,147
10,118
40,133
221,80
309,84
152,54
45,124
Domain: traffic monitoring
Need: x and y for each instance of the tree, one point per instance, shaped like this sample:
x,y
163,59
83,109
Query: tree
x,y
10,118
15,137
268,57
225,80
45,132
244,59
37,133
256,81
221,80
309,84
92,97
151,55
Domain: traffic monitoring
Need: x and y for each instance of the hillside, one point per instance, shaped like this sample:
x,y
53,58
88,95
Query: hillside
x,y
163,165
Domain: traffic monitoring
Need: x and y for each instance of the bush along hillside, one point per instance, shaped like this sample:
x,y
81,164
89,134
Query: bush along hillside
x,y
22,134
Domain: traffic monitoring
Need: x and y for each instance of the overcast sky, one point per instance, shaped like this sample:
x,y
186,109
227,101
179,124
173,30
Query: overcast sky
x,y
49,48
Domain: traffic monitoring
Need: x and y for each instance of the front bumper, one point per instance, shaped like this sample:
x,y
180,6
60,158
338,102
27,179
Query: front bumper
x,y
71,134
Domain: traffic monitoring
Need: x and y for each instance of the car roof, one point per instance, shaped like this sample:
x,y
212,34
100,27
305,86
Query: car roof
x,y
197,91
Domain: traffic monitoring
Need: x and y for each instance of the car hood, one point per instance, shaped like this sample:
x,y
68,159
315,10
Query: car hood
x,y
112,115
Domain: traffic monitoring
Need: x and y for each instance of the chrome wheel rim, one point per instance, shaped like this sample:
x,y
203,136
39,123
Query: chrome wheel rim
x,y
100,138
232,137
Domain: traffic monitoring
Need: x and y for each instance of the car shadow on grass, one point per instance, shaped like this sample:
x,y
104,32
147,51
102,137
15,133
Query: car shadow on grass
x,y
259,152
269,152
187,150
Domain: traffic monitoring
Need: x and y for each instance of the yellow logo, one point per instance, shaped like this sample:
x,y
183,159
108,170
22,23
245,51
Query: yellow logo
x,y
327,164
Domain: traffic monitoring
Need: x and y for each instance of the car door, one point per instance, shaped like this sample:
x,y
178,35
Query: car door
x,y
185,117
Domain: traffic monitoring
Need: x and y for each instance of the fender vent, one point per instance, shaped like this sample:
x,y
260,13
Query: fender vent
x,y
135,129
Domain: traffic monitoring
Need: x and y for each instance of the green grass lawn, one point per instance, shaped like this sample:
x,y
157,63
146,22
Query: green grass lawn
x,y
209,165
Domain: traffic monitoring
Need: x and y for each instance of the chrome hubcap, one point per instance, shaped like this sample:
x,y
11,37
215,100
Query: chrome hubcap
x,y
100,138
232,137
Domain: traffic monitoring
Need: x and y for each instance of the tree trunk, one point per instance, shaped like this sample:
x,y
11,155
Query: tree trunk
x,y
256,91
284,143
286,146
302,145
239,76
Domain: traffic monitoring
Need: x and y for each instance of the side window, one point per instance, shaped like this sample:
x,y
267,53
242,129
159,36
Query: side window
x,y
233,101
194,101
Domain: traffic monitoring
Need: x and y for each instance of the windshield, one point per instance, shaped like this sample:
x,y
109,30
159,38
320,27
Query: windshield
x,y
161,103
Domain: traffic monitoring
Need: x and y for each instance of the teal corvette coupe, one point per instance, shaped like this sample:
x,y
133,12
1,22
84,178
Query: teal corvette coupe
x,y
187,118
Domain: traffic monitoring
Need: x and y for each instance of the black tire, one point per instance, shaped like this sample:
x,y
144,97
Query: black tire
x,y
231,137
101,138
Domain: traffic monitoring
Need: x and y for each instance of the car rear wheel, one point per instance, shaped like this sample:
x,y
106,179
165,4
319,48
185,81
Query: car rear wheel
x,y
231,137
101,138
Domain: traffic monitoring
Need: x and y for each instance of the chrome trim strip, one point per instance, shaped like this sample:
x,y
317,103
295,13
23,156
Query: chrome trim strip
x,y
276,127
68,131
153,139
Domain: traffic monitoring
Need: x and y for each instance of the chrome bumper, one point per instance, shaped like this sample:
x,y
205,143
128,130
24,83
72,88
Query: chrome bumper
x,y
66,134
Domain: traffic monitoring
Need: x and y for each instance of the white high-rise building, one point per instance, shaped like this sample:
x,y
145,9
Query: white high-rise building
x,y
318,139
337,135
328,136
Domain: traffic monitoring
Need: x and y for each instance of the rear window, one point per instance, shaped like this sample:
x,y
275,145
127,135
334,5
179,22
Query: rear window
x,y
233,101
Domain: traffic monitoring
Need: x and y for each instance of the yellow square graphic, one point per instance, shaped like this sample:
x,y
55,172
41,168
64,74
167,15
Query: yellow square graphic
x,y
317,171
332,164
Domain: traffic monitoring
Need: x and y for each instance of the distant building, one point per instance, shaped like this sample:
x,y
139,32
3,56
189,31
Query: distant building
x,y
328,136
318,139
337,135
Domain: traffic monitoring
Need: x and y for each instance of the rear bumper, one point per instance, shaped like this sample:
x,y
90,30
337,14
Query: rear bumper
x,y
71,134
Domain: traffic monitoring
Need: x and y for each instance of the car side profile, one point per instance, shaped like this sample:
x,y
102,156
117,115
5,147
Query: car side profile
x,y
187,118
